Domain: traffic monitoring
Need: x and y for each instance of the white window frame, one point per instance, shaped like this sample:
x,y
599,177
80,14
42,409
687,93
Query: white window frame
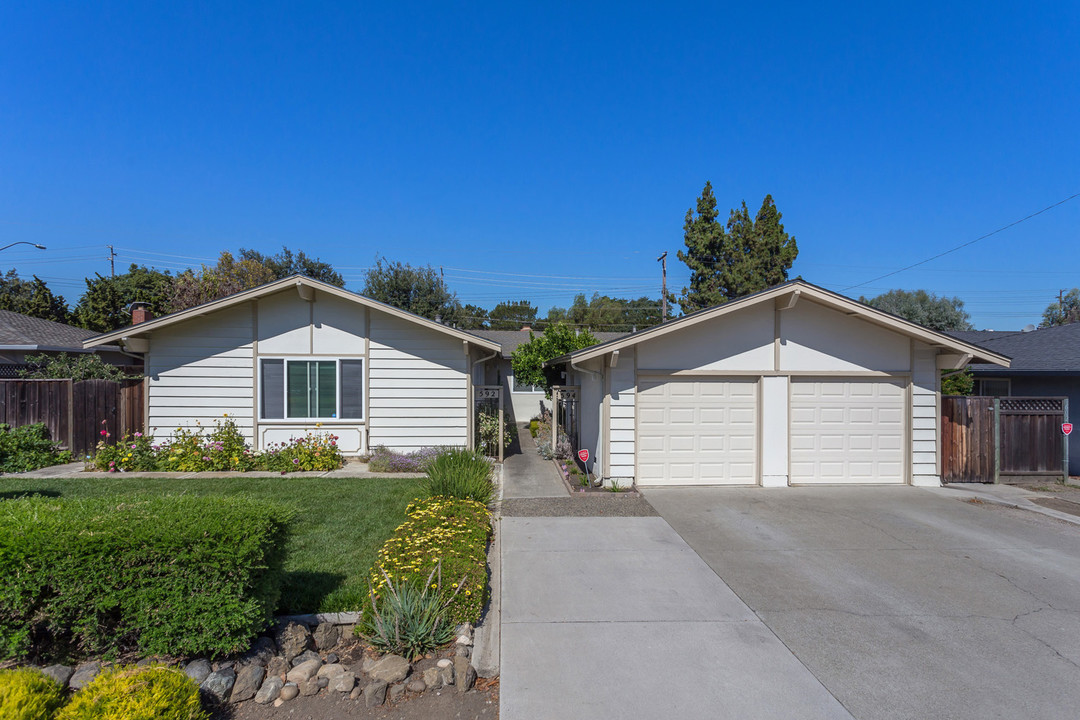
x,y
336,359
533,389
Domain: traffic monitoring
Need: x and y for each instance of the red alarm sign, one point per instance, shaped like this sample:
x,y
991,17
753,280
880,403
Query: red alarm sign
x,y
584,455
1066,428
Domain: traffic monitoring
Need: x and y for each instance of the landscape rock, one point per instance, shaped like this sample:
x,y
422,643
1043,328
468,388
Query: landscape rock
x,y
416,685
345,682
304,671
375,694
396,691
463,651
321,681
389,669
278,666
331,670
331,658
270,690
223,665
446,672
356,692
83,675
309,687
464,673
60,673
289,691
293,639
305,656
260,653
197,670
326,636
218,683
248,681
464,629
433,678
464,640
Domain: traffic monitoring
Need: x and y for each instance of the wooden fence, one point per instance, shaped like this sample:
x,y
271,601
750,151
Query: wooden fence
x,y
75,412
1009,439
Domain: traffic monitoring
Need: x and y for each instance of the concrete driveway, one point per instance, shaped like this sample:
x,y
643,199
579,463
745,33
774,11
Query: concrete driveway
x,y
902,602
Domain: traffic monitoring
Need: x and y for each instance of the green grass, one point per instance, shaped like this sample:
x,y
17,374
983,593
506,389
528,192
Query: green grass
x,y
340,523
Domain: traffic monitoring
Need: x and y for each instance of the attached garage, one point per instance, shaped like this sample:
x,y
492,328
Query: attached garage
x,y
795,385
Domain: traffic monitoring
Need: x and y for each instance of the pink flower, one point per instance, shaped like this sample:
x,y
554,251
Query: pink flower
x,y
105,432
138,434
296,461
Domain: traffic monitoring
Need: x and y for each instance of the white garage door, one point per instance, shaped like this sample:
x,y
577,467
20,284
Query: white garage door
x,y
697,432
847,431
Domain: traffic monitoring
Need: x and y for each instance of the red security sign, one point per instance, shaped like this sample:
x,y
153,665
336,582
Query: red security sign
x,y
584,454
1066,428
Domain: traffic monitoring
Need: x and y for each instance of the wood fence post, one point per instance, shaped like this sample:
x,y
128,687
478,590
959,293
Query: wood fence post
x,y
71,414
997,439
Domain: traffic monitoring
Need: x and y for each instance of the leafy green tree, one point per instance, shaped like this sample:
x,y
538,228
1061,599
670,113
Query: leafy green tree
x,y
419,290
473,317
528,358
227,277
32,297
926,309
955,382
608,314
511,315
104,305
750,255
86,366
285,263
1065,312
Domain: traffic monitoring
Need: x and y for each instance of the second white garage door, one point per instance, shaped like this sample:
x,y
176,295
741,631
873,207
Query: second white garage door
x,y
697,432
847,431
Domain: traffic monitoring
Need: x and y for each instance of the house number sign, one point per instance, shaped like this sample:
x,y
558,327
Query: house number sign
x,y
487,394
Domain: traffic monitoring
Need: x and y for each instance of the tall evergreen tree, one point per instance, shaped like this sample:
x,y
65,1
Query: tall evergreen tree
x,y
750,255
420,290
286,263
104,305
511,315
32,297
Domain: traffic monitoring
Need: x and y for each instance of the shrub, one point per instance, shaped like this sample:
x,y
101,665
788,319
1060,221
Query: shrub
x,y
28,447
313,452
383,459
169,575
487,430
26,694
133,693
533,427
463,474
410,618
439,532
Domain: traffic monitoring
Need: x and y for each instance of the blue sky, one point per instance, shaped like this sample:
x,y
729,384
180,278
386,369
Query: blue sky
x,y
536,152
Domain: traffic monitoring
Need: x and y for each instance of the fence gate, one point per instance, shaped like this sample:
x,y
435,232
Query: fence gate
x,y
489,412
565,414
1010,439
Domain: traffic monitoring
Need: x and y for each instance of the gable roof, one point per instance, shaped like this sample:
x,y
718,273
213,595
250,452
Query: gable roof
x,y
22,332
293,281
1050,350
795,289
510,339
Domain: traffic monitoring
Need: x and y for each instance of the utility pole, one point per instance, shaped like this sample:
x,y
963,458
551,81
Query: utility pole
x,y
112,261
663,293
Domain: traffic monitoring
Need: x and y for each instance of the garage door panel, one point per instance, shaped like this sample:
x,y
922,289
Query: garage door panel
x,y
847,431
704,433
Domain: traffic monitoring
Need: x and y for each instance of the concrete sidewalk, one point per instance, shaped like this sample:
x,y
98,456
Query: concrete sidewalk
x,y
619,618
527,475
352,468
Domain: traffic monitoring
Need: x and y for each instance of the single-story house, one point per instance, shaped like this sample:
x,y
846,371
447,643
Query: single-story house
x,y
795,385
298,355
23,335
521,402
1045,362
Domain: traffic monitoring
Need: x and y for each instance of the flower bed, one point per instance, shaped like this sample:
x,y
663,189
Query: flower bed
x,y
383,459
224,448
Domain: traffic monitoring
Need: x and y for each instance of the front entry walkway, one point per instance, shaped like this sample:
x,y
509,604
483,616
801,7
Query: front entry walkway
x,y
527,475
616,617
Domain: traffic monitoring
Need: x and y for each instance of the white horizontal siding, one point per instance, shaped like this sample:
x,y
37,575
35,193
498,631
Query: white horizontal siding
x,y
200,371
621,417
924,417
418,386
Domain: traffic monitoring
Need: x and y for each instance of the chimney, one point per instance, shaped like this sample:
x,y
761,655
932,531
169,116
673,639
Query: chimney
x,y
140,313
526,327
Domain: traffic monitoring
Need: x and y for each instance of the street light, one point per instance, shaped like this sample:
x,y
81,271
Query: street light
x,y
23,242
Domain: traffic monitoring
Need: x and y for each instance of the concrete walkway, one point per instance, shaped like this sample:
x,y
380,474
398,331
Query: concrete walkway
x,y
526,474
352,468
616,617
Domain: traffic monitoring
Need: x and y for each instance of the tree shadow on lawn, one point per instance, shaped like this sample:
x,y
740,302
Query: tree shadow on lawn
x,y
16,494
304,591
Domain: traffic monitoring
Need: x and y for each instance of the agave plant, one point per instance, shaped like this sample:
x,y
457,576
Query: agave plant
x,y
410,620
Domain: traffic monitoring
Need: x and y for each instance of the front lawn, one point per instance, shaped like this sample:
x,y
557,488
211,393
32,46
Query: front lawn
x,y
339,527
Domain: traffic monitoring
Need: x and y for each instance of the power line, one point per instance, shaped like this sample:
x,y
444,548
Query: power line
x,y
964,245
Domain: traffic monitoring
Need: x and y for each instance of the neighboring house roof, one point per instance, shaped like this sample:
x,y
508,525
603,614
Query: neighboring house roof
x,y
1051,350
510,339
789,293
22,332
303,285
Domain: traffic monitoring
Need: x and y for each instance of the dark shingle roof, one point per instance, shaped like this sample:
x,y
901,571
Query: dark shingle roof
x,y
1046,350
510,339
22,330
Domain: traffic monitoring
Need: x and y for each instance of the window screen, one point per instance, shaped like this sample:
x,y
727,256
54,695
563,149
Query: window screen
x,y
352,388
273,389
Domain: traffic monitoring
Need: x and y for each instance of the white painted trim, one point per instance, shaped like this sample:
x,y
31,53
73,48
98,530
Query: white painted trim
x,y
259,419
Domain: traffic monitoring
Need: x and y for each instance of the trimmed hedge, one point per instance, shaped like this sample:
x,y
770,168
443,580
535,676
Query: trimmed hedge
x,y
26,694
133,693
440,529
170,575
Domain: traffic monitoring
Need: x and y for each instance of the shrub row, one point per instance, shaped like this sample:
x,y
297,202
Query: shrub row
x,y
445,533
224,448
122,693
28,447
172,575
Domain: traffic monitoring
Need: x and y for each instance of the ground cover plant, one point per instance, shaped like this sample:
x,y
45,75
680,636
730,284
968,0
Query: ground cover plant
x,y
223,448
26,694
28,447
383,459
134,693
336,531
461,473
168,575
